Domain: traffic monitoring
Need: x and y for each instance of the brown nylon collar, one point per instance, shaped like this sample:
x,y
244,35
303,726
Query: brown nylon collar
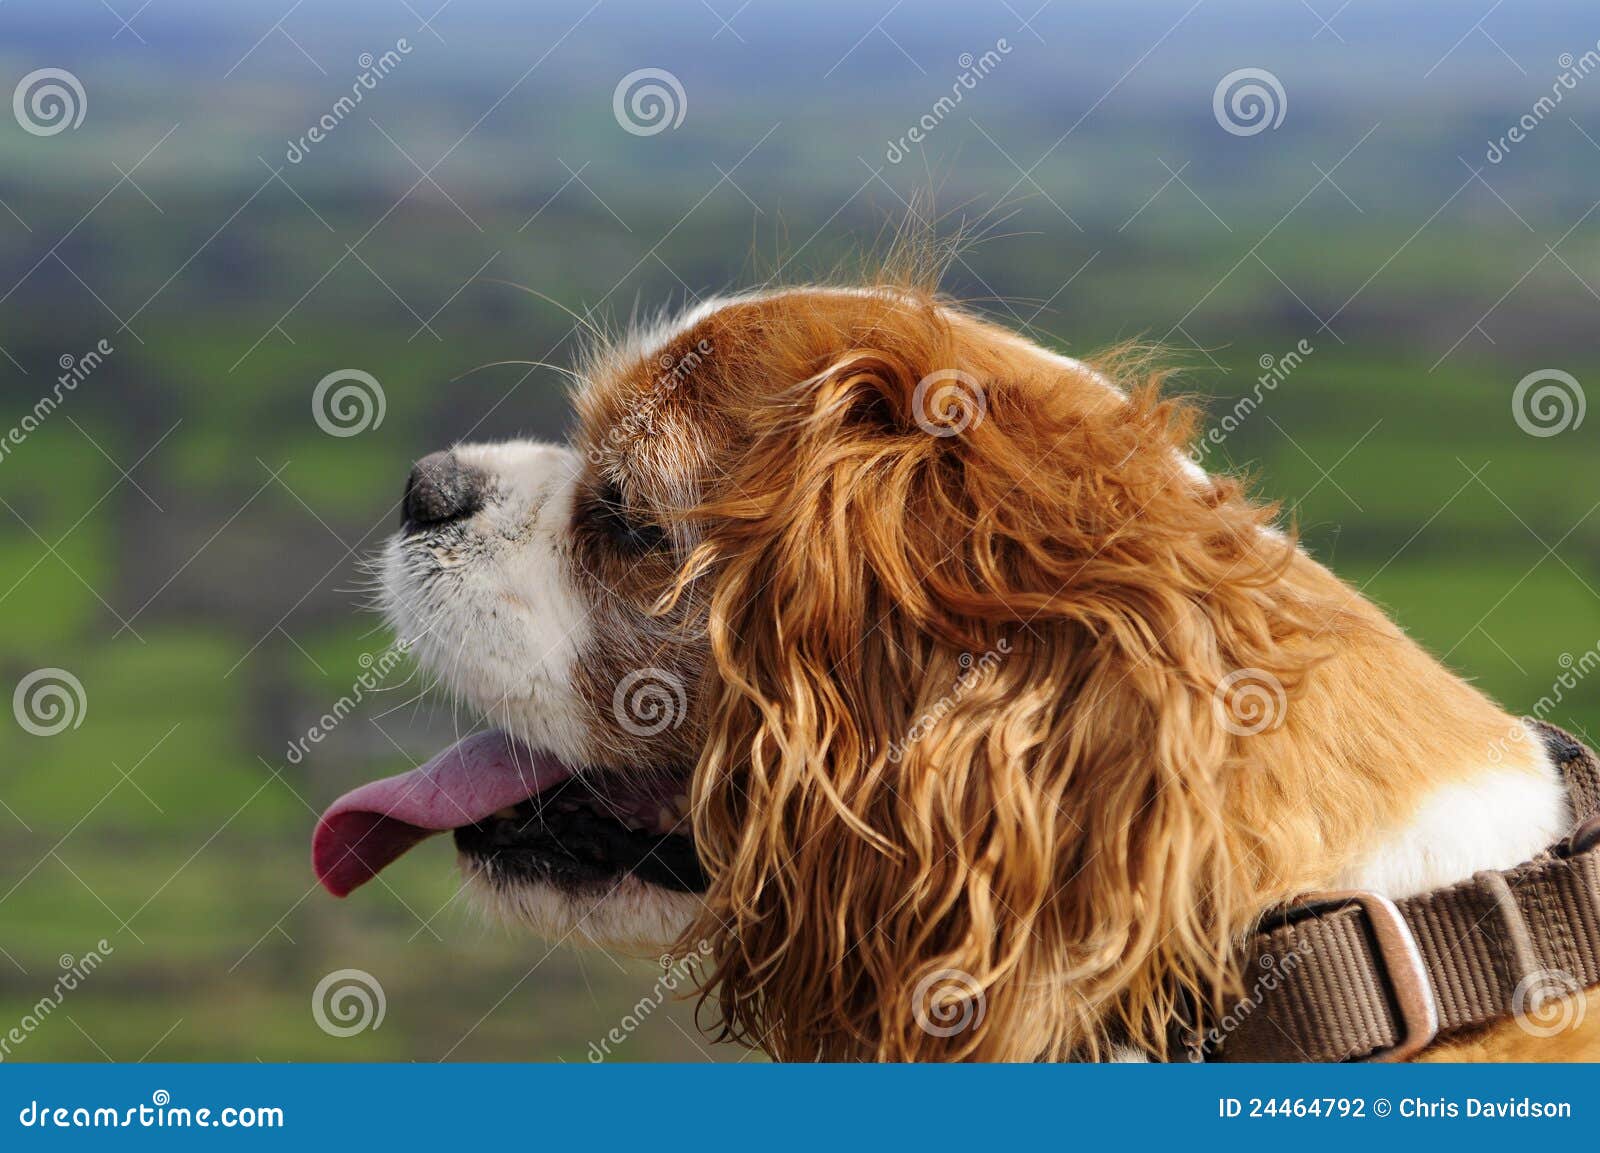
x,y
1353,976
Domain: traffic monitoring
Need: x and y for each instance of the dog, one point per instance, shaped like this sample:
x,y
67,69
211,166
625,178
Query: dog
x,y
918,678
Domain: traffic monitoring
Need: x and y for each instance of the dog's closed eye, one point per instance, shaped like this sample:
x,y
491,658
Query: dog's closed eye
x,y
624,528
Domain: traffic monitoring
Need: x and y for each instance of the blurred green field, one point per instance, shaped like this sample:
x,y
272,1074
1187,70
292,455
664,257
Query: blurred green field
x,y
183,538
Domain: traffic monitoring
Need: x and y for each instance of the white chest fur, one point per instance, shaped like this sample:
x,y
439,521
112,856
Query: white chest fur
x,y
1499,817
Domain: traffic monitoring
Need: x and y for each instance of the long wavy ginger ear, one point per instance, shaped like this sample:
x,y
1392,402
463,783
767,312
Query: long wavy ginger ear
x,y
962,791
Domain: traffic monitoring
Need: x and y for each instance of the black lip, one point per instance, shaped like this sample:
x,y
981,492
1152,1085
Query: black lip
x,y
579,847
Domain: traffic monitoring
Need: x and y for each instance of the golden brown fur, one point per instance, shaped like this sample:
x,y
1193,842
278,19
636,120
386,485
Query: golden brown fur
x,y
1079,832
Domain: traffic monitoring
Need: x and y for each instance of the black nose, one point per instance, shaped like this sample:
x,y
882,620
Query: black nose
x,y
440,489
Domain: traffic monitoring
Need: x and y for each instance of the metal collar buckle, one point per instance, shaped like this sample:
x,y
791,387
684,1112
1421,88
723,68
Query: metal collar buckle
x,y
1404,973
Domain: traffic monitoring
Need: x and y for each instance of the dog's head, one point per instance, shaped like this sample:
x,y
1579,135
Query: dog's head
x,y
865,647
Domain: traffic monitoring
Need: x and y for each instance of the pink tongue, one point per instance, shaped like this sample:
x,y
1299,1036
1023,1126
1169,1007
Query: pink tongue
x,y
369,827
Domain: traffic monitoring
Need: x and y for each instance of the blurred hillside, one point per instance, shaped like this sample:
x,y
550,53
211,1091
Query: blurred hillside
x,y
182,536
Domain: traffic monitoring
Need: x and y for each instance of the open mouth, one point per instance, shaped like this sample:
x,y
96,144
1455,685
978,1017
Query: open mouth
x,y
519,816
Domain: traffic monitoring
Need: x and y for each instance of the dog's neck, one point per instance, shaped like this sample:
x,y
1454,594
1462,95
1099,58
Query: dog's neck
x,y
1497,817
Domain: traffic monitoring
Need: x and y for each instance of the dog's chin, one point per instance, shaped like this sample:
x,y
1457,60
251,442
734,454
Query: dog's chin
x,y
628,915
605,859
